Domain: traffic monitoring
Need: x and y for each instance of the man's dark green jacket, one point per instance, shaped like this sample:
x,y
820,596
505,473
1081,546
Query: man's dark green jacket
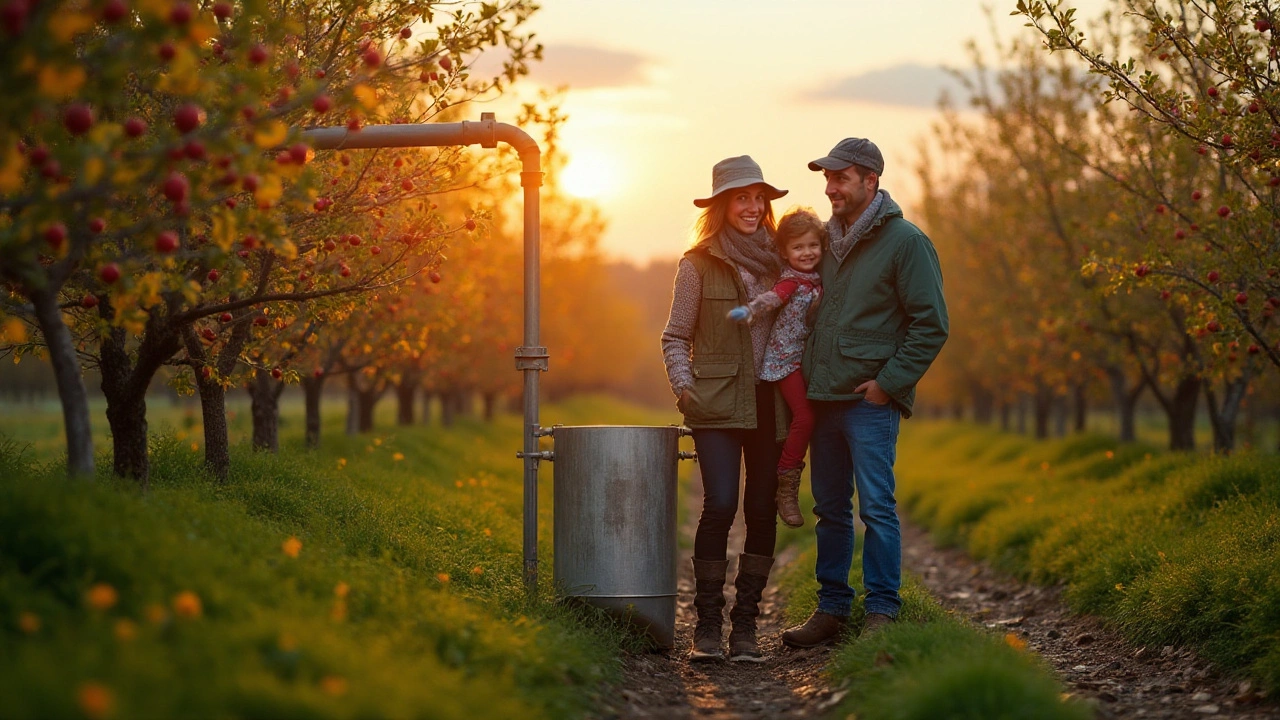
x,y
882,315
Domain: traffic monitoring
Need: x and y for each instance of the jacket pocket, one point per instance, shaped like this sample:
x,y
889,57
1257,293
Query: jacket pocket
x,y
714,392
860,360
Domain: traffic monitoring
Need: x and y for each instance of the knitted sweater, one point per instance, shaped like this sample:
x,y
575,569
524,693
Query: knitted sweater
x,y
794,293
677,338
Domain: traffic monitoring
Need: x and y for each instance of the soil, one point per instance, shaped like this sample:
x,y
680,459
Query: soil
x,y
1120,679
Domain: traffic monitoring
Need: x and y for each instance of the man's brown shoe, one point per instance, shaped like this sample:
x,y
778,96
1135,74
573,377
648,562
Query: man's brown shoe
x,y
788,497
874,622
819,629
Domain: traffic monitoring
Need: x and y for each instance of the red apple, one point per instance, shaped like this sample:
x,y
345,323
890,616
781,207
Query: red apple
x,y
1242,298
209,334
213,275
446,63
1227,140
194,150
318,372
1254,349
321,104
1141,271
375,250
406,33
222,10
1253,107
188,117
1160,209
1261,25
249,242
372,58
344,271
1165,294
97,225
434,276
176,186
470,224
1196,195
1213,326
55,235
135,126
180,14
1213,276
330,245
114,11
167,51
1179,234
299,151
277,373
260,321
78,118
257,54
89,301
226,317
354,240
1224,211
1212,92
109,273
167,242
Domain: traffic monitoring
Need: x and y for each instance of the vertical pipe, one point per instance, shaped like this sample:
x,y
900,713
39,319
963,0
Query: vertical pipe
x,y
531,181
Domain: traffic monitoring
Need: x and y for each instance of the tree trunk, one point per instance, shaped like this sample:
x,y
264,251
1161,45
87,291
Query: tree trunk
x,y
127,416
213,408
71,390
1022,414
406,393
984,404
1250,430
366,401
1223,417
1126,400
353,422
1043,406
1060,412
490,406
1006,411
264,403
427,394
124,383
1081,417
1182,414
448,406
312,387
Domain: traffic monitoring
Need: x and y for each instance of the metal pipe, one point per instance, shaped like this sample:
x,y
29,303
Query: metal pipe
x,y
531,358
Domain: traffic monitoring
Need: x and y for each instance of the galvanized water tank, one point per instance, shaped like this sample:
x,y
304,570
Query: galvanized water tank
x,y
615,521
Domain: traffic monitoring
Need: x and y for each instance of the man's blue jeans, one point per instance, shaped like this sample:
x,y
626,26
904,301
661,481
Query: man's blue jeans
x,y
855,444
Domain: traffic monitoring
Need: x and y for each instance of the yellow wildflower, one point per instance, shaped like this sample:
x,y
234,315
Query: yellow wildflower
x,y
95,700
291,547
60,84
442,577
398,457
341,589
1015,642
187,604
333,685
477,571
101,596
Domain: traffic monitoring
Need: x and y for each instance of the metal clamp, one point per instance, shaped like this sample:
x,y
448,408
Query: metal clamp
x,y
548,455
545,431
682,430
531,358
686,455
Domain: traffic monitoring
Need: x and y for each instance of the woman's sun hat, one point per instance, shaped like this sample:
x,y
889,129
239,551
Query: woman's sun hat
x,y
737,172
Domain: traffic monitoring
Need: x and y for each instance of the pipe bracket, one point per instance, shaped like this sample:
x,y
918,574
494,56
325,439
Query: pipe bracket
x,y
548,455
686,455
683,431
532,358
545,431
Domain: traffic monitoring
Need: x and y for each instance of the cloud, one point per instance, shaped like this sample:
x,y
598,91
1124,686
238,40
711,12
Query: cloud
x,y
907,85
583,67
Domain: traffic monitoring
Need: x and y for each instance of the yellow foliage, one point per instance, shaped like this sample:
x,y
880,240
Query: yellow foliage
x,y
67,24
202,32
148,289
273,134
58,83
93,168
269,191
183,77
11,168
366,96
13,331
224,230
159,8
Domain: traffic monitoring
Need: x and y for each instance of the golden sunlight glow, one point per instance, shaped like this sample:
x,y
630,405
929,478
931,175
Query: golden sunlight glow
x,y
591,174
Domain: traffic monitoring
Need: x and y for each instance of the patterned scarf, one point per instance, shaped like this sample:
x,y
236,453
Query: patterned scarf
x,y
842,242
753,253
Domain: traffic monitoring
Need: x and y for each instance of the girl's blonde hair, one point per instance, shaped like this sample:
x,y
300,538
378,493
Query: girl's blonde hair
x,y
713,218
798,221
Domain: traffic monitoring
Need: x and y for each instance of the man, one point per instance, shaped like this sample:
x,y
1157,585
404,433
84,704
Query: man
x,y
881,323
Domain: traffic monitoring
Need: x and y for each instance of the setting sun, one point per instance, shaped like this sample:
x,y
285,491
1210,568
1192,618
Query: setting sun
x,y
590,175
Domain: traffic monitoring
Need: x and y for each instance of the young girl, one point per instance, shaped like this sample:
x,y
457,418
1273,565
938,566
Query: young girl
x,y
800,239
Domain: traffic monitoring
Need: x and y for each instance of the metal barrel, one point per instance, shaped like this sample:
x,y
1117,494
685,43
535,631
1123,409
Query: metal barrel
x,y
615,522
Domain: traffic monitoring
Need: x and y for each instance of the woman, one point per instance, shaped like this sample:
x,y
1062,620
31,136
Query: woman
x,y
711,363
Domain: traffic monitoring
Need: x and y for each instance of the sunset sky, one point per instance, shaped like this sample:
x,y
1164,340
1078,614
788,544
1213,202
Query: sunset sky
x,y
663,89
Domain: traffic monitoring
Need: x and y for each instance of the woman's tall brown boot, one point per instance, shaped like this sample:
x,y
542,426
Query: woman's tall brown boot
x,y
789,496
708,602
753,575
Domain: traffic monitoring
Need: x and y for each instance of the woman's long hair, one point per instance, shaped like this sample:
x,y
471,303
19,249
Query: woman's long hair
x,y
714,217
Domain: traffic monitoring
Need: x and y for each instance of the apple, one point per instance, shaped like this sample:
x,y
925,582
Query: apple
x,y
330,245
318,372
375,250
320,74
109,273
1227,140
250,182
406,33
1212,92
77,118
321,104
1213,326
298,151
353,125
180,14
188,117
242,254
51,169
277,373
135,126
1253,107
257,54
354,240
1254,350
406,185
89,301
55,235
167,51
176,186
1165,294
222,10
231,203
345,271
1224,211
114,11
213,275
1242,298
1202,150
249,242
1141,271
1196,195
167,242
97,225
260,321
194,150
226,317
1160,209
446,63
435,276
1261,25
1213,276
372,58
470,224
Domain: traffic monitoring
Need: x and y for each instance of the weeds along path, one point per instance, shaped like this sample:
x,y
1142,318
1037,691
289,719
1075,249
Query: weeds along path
x,y
788,684
1120,679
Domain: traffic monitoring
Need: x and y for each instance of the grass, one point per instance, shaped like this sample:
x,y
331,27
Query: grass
x,y
930,664
378,576
1170,548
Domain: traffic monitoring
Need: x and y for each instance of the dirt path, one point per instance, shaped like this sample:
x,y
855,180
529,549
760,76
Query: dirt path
x,y
1123,680
789,684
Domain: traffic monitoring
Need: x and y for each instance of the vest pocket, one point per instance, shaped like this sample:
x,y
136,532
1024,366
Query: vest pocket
x,y
713,396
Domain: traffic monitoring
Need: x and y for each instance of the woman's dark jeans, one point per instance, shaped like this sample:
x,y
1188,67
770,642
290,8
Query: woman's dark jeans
x,y
720,455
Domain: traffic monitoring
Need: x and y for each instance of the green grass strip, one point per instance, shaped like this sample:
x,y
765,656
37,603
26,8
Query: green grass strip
x,y
1170,548
379,576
